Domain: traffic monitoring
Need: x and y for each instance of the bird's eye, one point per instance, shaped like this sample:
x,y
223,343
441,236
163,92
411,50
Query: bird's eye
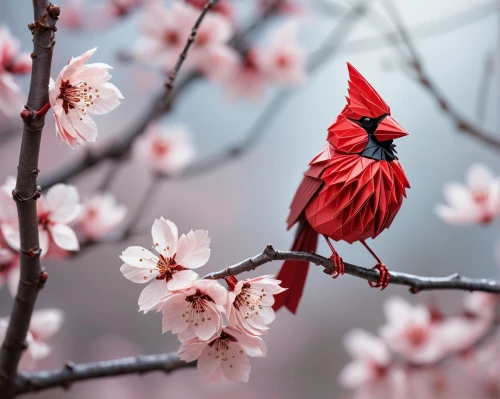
x,y
367,122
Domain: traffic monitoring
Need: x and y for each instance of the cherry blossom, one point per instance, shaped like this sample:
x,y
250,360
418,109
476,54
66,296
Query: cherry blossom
x,y
8,210
249,304
45,323
12,63
481,304
371,359
283,61
170,266
100,215
476,202
194,311
222,6
55,211
225,356
410,331
165,31
81,89
166,150
247,78
9,269
284,6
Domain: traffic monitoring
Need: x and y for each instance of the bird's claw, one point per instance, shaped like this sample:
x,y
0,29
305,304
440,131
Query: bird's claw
x,y
384,278
338,265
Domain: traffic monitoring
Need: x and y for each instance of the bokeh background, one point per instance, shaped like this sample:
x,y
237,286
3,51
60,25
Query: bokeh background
x,y
244,203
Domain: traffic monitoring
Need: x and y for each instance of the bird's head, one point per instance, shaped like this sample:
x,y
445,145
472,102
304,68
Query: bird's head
x,y
365,125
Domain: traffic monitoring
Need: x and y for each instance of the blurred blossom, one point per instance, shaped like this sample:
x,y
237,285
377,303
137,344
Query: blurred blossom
x,y
80,89
371,359
194,312
166,150
164,32
8,209
55,211
284,6
170,267
100,215
9,269
223,7
283,61
478,201
482,304
410,331
247,78
74,16
249,303
45,323
225,356
12,63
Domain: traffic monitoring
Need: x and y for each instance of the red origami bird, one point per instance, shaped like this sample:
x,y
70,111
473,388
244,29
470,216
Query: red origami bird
x,y
352,190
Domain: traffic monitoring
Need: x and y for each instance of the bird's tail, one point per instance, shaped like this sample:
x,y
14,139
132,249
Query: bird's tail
x,y
293,273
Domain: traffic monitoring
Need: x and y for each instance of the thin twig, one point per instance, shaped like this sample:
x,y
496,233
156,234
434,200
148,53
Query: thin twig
x,y
416,283
65,376
192,37
26,193
421,76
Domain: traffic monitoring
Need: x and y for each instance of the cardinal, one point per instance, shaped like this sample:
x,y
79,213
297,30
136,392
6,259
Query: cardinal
x,y
352,190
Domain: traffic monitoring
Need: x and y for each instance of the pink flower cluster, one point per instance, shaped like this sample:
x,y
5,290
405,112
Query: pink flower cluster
x,y
165,30
194,308
57,211
414,338
12,63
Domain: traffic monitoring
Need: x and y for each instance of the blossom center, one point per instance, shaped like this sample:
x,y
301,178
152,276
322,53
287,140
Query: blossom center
x,y
202,38
479,196
248,301
76,96
283,61
160,147
417,335
196,308
44,220
171,38
167,267
221,348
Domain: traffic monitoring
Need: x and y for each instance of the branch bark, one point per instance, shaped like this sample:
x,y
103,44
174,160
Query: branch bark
x,y
416,283
65,376
26,193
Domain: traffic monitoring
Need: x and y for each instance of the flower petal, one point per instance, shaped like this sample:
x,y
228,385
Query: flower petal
x,y
193,250
165,236
182,280
152,295
64,237
63,203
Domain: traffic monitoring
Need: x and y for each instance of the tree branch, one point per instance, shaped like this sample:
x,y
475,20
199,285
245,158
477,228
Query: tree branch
x,y
26,193
65,376
416,283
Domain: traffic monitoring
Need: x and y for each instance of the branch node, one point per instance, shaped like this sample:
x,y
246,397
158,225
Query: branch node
x,y
34,252
414,290
70,366
54,11
19,198
43,278
26,115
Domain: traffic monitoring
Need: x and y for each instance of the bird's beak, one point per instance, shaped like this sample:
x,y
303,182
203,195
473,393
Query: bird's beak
x,y
389,129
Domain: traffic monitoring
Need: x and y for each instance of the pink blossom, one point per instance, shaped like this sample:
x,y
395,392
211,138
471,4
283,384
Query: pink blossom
x,y
100,215
165,31
166,150
194,311
170,266
9,269
284,6
481,304
55,211
8,209
247,78
410,331
283,61
476,202
249,303
74,16
222,6
12,63
226,356
80,89
371,359
45,323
